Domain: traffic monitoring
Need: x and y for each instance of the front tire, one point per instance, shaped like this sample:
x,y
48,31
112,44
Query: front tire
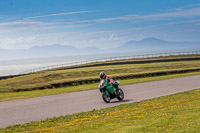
x,y
121,95
106,97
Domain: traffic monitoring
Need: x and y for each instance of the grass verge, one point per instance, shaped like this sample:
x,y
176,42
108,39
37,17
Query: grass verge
x,y
58,78
46,92
175,113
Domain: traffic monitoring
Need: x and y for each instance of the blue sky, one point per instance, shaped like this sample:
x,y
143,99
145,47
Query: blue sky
x,y
98,23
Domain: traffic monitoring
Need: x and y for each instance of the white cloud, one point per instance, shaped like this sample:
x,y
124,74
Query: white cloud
x,y
102,39
113,37
173,13
40,34
27,26
22,26
16,42
59,14
56,27
196,22
176,14
125,17
33,25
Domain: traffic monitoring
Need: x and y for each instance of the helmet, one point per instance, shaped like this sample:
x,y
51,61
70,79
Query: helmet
x,y
102,75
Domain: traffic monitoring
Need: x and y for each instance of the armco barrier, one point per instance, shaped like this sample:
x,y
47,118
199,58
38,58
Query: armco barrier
x,y
129,62
126,76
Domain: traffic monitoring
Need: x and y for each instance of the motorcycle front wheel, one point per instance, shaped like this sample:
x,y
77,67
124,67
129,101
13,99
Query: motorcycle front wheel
x,y
106,97
121,94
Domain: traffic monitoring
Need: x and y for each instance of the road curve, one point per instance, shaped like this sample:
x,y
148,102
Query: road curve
x,y
34,109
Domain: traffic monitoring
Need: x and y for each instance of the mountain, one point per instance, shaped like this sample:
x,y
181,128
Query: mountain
x,y
147,45
54,50
54,47
51,50
152,44
153,40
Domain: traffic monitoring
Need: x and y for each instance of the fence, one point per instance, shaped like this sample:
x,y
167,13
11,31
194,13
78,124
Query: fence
x,y
108,59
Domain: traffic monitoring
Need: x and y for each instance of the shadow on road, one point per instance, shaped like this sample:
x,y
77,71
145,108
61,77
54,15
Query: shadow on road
x,y
123,101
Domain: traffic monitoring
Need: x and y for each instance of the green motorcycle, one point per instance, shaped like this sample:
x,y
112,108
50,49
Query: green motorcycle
x,y
110,90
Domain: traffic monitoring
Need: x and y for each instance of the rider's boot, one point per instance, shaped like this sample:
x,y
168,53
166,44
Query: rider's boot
x,y
117,91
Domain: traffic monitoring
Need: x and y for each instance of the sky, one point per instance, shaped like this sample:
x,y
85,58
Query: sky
x,y
96,23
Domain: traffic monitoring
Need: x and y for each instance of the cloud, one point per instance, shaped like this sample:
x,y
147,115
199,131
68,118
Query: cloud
x,y
101,39
17,26
59,14
57,27
16,42
173,13
125,17
197,22
33,25
195,12
34,32
113,37
21,24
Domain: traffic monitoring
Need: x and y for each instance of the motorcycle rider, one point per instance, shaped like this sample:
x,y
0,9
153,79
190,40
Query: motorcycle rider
x,y
109,79
104,76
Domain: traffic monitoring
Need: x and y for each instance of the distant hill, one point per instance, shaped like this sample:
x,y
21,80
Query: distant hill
x,y
146,45
54,50
151,44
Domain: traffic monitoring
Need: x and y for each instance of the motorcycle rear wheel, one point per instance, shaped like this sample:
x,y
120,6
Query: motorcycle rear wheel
x,y
106,97
121,95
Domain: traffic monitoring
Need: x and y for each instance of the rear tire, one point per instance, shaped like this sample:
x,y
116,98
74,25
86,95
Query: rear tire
x,y
121,95
106,97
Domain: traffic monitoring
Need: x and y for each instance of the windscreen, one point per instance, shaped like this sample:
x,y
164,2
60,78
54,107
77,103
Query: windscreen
x,y
102,82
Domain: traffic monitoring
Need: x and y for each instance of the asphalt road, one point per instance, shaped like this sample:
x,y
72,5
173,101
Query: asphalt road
x,y
34,109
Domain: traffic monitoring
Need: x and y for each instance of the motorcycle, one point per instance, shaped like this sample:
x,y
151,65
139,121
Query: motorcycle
x,y
110,90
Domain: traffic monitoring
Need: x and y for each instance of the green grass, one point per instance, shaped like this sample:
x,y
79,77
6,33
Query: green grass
x,y
175,113
50,77
46,92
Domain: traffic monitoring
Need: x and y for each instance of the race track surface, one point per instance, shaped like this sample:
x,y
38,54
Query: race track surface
x,y
34,109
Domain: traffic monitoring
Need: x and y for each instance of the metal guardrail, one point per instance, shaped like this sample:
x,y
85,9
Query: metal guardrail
x,y
108,59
